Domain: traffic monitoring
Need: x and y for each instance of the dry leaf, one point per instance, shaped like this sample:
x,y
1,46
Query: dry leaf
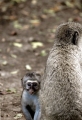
x,y
1,84
57,8
28,67
17,25
5,62
43,16
49,11
25,27
25,13
69,4
35,22
14,72
18,116
70,19
36,44
34,2
18,45
14,56
43,53
11,90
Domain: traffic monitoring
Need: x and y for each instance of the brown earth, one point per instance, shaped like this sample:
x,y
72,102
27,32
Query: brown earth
x,y
25,24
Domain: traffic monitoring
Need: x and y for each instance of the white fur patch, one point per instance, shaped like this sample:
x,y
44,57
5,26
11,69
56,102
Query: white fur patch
x,y
32,81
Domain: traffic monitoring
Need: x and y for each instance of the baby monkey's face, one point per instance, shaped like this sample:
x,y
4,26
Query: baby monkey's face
x,y
32,86
31,82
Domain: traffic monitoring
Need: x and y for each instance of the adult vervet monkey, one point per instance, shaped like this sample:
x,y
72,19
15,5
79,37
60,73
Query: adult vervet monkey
x,y
61,88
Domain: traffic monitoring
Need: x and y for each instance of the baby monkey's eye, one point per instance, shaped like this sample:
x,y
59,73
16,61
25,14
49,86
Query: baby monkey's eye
x,y
29,84
35,84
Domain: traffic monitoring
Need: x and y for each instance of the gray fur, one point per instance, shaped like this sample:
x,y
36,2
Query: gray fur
x,y
61,88
33,102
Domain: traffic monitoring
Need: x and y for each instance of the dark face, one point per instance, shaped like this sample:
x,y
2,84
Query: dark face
x,y
31,82
32,86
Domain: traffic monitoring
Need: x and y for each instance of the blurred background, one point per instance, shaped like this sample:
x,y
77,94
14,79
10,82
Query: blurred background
x,y
27,30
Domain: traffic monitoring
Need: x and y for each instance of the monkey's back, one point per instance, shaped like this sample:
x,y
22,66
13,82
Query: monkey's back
x,y
61,93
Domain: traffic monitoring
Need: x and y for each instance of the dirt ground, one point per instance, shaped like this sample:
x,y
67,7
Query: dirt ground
x,y
21,27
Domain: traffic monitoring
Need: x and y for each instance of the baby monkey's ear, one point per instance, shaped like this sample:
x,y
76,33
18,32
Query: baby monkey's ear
x,y
22,82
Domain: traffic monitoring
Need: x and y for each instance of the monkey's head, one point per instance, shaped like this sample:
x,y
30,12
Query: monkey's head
x,y
31,82
69,33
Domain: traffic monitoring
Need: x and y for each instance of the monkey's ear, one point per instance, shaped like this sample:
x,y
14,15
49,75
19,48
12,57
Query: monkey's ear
x,y
75,38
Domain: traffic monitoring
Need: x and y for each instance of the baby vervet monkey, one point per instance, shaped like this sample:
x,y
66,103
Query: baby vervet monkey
x,y
61,87
30,96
